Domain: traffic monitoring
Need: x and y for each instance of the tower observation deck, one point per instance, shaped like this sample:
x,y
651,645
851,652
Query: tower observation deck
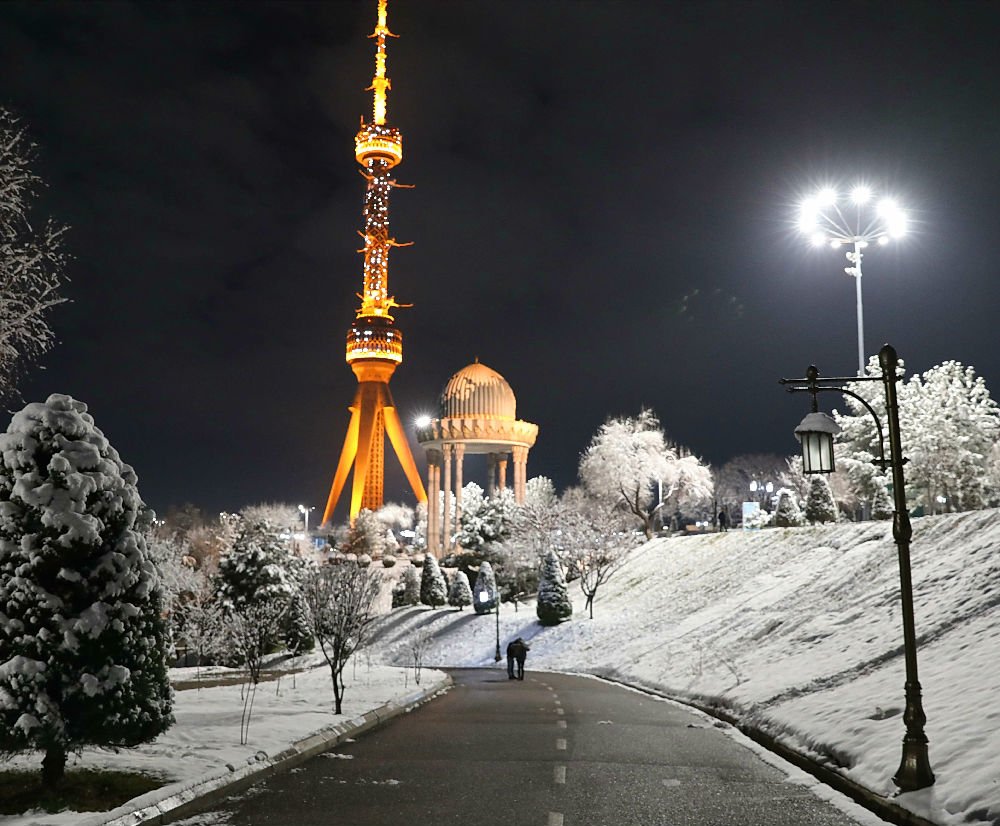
x,y
374,343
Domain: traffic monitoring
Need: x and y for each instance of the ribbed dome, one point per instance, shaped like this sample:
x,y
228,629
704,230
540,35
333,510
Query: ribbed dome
x,y
477,392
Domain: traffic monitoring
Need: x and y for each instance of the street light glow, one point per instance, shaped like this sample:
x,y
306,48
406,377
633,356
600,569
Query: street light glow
x,y
855,223
861,194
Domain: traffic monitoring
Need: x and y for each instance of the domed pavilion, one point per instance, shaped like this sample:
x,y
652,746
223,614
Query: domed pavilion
x,y
478,415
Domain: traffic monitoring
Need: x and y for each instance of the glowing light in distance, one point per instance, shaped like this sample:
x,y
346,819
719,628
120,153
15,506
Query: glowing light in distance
x,y
827,197
861,194
422,421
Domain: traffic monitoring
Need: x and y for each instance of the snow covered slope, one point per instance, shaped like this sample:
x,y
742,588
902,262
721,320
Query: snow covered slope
x,y
797,631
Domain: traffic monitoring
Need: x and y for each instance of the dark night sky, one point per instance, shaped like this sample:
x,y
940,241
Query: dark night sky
x,y
580,168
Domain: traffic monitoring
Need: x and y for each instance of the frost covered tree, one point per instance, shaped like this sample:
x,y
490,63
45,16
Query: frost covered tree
x,y
627,460
598,542
433,589
283,517
553,605
341,602
820,506
882,504
459,594
83,643
411,586
486,520
32,261
366,535
485,596
687,488
787,514
948,423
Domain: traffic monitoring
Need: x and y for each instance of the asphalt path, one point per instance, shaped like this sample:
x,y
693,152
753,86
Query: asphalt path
x,y
553,750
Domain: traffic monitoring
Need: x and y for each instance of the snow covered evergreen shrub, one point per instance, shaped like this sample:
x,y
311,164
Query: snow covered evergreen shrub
x,y
553,604
298,635
411,586
820,506
364,560
256,569
83,644
460,594
485,595
882,504
433,589
388,561
787,514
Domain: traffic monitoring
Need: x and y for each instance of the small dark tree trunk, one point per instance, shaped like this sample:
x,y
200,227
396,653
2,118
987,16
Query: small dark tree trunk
x,y
338,692
54,766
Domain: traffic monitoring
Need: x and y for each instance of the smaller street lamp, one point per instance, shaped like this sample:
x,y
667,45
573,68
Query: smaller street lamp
x,y
305,515
816,432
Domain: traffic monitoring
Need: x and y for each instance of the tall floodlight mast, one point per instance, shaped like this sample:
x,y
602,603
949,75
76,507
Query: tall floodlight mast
x,y
854,223
374,344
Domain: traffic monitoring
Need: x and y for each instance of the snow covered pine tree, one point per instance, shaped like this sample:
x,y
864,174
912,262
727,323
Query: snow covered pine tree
x,y
460,594
433,590
83,645
554,604
484,595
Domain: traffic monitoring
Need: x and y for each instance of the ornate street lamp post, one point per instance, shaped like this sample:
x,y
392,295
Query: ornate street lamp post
x,y
855,223
816,434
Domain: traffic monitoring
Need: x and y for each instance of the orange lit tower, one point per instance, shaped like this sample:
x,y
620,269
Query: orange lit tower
x,y
374,344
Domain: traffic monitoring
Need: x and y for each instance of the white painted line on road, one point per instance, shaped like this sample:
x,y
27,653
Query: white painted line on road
x,y
560,711
555,819
560,774
561,744
557,702
560,724
550,688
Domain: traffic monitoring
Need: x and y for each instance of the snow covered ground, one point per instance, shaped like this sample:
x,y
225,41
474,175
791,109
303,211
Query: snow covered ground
x,y
799,632
795,630
205,741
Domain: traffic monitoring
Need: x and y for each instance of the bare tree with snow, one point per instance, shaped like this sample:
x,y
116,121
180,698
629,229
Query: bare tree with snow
x,y
341,603
598,542
32,260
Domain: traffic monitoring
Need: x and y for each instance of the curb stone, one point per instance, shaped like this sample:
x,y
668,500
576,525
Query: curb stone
x,y
872,801
178,804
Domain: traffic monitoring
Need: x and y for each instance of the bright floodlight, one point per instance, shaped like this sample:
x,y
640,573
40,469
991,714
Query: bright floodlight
x,y
422,421
827,197
854,222
861,194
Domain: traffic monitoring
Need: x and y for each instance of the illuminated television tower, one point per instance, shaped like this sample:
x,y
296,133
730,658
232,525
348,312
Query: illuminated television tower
x,y
374,345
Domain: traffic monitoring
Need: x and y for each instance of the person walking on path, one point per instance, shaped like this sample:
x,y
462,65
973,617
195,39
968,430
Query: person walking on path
x,y
723,521
516,651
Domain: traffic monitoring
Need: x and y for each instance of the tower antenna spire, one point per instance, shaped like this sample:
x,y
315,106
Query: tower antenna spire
x,y
380,83
374,343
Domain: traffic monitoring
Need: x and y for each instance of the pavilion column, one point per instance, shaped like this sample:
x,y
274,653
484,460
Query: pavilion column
x,y
459,458
491,474
433,483
520,472
502,465
446,507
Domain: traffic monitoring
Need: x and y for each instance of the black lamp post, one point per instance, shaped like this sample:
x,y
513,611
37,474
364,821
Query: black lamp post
x,y
816,434
496,656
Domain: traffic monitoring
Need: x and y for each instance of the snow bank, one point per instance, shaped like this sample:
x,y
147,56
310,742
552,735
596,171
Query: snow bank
x,y
799,632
